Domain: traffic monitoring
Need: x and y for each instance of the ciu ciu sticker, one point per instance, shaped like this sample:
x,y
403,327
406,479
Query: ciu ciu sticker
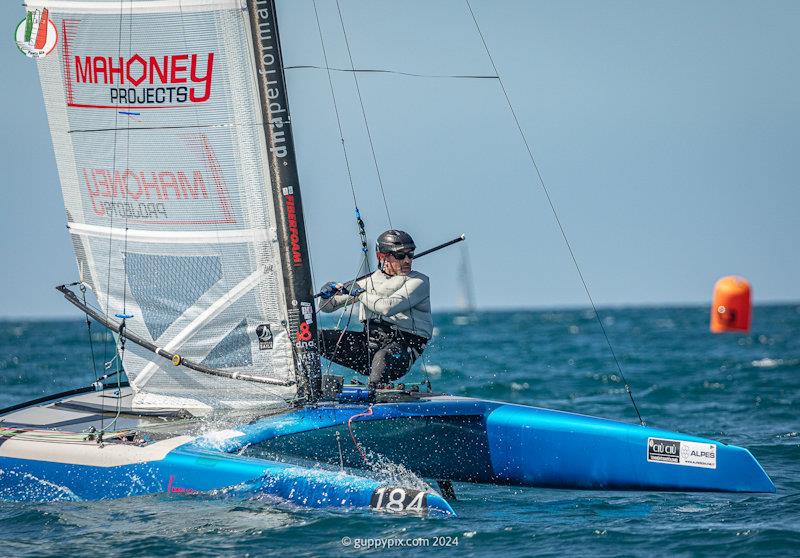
x,y
681,452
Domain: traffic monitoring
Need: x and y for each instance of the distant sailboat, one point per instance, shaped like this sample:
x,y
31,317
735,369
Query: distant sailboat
x,y
466,299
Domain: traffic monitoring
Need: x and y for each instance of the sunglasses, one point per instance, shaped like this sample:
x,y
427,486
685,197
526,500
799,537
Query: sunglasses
x,y
400,256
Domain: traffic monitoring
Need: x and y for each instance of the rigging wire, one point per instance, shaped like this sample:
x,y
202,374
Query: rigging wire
x,y
346,325
111,213
555,213
354,72
359,221
111,223
335,107
124,315
363,114
387,71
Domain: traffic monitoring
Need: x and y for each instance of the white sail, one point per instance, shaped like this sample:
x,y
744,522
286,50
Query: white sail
x,y
466,291
157,129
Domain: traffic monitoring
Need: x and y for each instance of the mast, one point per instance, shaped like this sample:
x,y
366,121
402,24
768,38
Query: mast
x,y
290,226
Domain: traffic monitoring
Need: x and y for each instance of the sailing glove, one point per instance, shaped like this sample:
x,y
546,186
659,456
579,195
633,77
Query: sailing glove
x,y
328,290
354,290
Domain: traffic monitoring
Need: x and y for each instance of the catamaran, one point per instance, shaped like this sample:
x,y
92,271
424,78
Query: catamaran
x,y
173,138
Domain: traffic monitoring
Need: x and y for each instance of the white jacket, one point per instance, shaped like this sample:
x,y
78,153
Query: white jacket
x,y
400,300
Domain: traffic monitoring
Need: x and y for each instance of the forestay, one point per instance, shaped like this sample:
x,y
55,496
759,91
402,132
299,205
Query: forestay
x,y
157,130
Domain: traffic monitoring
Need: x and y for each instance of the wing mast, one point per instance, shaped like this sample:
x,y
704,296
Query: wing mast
x,y
298,284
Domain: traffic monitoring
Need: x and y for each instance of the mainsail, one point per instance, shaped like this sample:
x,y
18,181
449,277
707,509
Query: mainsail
x,y
170,126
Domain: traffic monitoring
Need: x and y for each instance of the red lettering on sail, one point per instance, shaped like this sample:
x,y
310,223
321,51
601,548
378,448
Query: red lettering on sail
x,y
170,80
144,195
294,231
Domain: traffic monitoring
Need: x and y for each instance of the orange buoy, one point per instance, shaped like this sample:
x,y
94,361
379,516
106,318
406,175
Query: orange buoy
x,y
730,310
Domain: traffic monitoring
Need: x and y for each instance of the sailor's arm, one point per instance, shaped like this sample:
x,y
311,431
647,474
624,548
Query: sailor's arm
x,y
411,293
335,302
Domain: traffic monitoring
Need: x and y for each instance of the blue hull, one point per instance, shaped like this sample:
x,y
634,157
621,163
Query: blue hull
x,y
187,470
444,438
483,441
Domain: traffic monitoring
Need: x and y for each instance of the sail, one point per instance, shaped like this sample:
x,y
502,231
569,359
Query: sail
x,y
159,136
466,291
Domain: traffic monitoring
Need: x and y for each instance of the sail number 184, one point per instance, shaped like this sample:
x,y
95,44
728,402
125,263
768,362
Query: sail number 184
x,y
397,499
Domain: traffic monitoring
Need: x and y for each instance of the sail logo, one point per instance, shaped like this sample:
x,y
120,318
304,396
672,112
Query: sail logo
x,y
168,79
304,337
114,80
36,35
304,332
269,72
308,312
189,188
264,334
294,231
144,192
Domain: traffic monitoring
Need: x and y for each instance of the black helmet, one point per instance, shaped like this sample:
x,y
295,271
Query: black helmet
x,y
395,241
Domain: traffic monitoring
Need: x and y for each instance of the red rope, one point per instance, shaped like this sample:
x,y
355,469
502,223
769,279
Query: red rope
x,y
352,436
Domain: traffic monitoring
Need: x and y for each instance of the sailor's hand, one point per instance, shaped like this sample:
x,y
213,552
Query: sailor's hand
x,y
329,289
353,290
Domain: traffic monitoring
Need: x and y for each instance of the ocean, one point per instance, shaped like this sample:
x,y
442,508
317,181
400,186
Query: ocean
x,y
740,389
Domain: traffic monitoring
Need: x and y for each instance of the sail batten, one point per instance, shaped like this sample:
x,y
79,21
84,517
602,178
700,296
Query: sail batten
x,y
170,237
133,6
165,171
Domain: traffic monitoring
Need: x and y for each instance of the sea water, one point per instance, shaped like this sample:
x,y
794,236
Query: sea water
x,y
740,389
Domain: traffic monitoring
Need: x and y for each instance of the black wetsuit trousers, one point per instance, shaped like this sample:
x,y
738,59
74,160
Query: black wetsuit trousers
x,y
384,355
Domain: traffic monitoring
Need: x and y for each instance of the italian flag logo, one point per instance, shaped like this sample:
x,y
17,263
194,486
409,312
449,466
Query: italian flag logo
x,y
36,35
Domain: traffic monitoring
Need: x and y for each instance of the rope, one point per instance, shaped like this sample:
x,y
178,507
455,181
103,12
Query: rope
x,y
353,436
553,209
89,331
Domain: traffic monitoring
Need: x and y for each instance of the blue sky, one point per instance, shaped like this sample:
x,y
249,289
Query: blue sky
x,y
667,133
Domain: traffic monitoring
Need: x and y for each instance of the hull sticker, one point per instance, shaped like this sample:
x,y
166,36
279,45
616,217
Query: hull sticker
x,y
681,452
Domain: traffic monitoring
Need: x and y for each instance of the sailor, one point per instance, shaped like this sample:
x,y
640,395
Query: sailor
x,y
395,310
